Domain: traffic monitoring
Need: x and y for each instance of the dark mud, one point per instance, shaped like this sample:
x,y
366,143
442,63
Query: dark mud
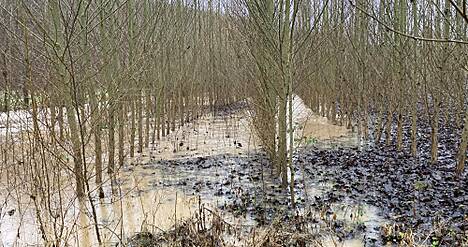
x,y
448,135
229,109
418,196
411,194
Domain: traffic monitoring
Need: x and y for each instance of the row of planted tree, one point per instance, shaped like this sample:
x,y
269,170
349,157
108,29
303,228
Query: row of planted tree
x,y
396,62
87,84
378,64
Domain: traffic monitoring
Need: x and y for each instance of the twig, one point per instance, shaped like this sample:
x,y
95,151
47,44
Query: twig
x,y
418,38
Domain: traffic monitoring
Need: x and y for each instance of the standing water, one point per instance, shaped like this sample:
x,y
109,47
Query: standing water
x,y
208,161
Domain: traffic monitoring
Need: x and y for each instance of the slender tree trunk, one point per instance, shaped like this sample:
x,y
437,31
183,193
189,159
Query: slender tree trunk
x,y
388,127
378,125
414,133
121,125
53,117
291,145
77,155
168,116
282,121
181,108
365,121
149,115
140,122
414,95
162,115
462,149
158,111
435,133
173,110
132,126
95,113
399,130
111,140
60,122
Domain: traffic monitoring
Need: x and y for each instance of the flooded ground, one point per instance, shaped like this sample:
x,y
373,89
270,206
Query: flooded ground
x,y
216,160
215,163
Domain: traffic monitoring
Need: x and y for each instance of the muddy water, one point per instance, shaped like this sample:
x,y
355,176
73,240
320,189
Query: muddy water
x,y
153,191
312,125
207,136
17,223
121,218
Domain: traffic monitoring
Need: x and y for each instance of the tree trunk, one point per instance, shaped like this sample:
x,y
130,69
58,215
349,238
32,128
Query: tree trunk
x,y
281,155
53,117
434,133
462,149
399,130
132,126
111,140
77,155
60,122
414,140
149,115
121,124
378,126
388,127
96,128
140,122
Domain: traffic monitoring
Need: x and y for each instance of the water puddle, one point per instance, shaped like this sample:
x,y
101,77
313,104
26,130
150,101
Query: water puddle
x,y
121,218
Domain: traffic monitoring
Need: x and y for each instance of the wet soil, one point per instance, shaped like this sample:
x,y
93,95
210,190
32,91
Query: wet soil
x,y
364,193
345,192
424,198
410,194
